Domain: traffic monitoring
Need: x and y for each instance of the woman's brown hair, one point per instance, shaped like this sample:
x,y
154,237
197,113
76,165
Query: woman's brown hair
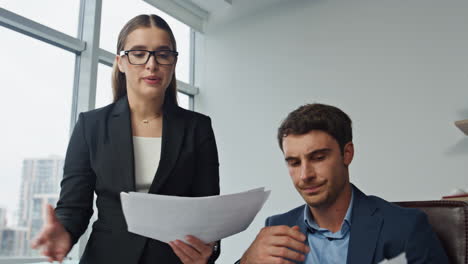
x,y
119,84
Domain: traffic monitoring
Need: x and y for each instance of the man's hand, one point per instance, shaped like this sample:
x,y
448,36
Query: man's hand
x,y
196,252
275,245
53,240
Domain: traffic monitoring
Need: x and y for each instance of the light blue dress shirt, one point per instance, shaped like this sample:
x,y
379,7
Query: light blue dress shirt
x,y
327,247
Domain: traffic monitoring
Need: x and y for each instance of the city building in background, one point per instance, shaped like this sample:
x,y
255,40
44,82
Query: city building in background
x,y
13,241
3,217
40,184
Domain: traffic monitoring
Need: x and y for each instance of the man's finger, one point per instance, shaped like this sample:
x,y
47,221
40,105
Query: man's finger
x,y
289,242
285,230
273,260
295,233
284,252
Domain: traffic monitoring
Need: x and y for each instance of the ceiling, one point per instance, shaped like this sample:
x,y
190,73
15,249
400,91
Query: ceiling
x,y
212,6
199,13
230,7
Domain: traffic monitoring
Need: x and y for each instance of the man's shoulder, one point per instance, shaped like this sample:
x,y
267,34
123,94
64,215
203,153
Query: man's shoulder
x,y
399,228
393,211
384,208
289,218
394,216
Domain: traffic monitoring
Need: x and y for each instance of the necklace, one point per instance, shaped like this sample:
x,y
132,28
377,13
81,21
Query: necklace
x,y
146,121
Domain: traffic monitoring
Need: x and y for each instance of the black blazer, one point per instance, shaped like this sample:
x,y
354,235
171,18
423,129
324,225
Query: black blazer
x,y
100,160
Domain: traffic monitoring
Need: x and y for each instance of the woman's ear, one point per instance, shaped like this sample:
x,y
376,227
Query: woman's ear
x,y
120,64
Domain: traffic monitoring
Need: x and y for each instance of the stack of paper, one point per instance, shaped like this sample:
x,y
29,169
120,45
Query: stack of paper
x,y
167,218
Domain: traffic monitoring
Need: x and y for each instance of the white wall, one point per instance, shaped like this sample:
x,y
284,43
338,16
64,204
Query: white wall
x,y
399,68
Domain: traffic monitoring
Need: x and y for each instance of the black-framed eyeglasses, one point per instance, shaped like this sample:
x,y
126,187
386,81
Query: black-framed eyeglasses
x,y
141,57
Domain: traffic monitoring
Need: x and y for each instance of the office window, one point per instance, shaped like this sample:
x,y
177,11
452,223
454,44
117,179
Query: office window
x,y
114,16
183,100
37,85
46,13
103,86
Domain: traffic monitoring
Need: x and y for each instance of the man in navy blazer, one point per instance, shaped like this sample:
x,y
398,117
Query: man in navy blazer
x,y
338,223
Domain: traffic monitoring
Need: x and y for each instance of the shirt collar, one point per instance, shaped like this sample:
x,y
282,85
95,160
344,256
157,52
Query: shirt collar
x,y
313,227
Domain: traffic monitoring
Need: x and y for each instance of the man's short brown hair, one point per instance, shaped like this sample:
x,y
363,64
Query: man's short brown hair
x,y
322,117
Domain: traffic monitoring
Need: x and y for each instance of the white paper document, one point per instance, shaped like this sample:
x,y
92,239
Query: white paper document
x,y
167,218
400,259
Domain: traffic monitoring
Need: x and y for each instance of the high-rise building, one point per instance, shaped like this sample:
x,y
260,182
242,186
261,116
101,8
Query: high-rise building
x,y
38,202
40,184
3,218
13,242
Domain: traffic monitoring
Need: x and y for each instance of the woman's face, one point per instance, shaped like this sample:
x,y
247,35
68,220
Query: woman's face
x,y
149,80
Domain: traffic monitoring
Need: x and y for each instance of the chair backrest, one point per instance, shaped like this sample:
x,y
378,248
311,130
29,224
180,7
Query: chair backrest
x,y
449,220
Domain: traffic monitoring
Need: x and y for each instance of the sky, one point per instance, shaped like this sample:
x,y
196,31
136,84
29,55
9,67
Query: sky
x,y
37,81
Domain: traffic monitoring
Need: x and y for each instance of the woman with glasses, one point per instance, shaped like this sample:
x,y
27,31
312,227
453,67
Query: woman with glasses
x,y
142,142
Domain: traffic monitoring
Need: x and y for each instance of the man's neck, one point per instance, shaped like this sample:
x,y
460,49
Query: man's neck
x,y
331,217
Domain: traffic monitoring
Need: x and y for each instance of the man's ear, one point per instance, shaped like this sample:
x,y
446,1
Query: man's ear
x,y
348,153
118,59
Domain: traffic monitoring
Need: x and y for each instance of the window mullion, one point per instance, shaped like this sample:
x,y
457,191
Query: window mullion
x,y
38,31
192,68
87,62
86,67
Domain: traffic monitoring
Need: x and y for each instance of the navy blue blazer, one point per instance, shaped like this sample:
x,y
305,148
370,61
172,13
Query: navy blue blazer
x,y
380,230
100,160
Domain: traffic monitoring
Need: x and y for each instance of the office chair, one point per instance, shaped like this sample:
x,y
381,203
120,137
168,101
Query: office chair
x,y
449,220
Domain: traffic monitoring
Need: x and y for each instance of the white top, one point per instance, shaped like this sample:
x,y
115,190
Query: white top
x,y
147,152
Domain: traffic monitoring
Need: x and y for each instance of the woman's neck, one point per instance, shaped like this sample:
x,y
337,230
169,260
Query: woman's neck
x,y
145,108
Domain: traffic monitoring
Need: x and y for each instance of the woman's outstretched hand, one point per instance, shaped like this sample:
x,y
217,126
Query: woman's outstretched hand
x,y
53,240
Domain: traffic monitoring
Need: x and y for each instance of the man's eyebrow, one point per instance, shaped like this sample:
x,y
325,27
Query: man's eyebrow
x,y
289,158
312,153
319,151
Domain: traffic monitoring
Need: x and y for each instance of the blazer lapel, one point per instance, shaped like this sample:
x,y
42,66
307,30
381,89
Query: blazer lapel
x,y
303,229
121,143
366,224
172,138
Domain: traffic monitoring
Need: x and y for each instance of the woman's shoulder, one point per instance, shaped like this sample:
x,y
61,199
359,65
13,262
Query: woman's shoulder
x,y
98,113
192,115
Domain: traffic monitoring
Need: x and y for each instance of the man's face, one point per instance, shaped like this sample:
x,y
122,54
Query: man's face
x,y
317,167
